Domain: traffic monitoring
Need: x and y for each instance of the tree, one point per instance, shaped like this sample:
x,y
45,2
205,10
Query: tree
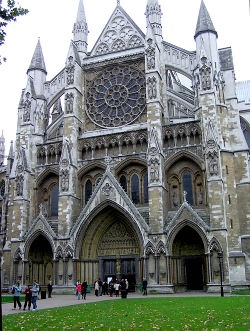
x,y
8,13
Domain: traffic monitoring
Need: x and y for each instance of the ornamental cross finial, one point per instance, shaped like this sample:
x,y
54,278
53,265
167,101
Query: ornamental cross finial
x,y
118,2
184,196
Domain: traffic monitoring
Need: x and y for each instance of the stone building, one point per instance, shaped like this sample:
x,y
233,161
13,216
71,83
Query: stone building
x,y
131,162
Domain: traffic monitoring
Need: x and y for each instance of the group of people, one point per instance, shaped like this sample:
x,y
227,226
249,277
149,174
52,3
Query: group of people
x,y
81,289
111,288
31,294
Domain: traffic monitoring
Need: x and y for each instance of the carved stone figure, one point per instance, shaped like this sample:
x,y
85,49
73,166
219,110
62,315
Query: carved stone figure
x,y
107,189
154,170
150,53
19,185
70,70
27,108
213,164
69,101
205,75
152,90
200,197
64,180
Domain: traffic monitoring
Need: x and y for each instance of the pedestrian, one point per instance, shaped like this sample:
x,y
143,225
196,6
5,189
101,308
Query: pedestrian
x,y
100,287
35,290
84,289
105,288
50,287
79,290
16,290
28,297
126,285
76,284
96,287
144,286
117,288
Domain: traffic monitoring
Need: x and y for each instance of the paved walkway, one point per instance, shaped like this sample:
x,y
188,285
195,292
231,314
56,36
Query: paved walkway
x,y
69,300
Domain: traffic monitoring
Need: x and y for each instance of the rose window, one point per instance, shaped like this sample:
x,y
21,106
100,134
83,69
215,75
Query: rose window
x,y
116,97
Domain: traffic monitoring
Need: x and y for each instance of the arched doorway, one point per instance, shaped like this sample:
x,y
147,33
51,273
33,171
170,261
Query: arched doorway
x,y
40,261
188,260
110,249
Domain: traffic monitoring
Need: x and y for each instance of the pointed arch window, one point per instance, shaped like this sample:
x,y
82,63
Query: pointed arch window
x,y
135,189
187,186
123,182
145,187
54,200
88,190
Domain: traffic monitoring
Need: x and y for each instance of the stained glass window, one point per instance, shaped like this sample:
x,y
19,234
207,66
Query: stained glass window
x,y
54,200
135,189
88,190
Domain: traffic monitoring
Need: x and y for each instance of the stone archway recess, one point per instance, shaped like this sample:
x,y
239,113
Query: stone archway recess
x,y
110,247
39,265
188,260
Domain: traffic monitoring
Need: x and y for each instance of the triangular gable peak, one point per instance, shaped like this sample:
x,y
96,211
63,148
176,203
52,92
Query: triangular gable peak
x,y
120,33
40,224
109,189
186,212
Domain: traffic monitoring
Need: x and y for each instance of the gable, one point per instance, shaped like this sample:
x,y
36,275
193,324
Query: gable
x,y
120,33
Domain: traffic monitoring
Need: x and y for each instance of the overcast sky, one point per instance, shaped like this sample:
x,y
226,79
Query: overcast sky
x,y
52,21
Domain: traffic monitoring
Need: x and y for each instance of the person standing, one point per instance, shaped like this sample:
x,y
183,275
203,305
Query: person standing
x,y
117,287
84,289
79,290
105,288
144,286
96,288
16,290
28,297
100,287
50,287
35,290
126,285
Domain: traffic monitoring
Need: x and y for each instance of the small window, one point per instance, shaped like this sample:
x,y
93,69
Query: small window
x,y
88,190
187,186
135,189
54,200
145,187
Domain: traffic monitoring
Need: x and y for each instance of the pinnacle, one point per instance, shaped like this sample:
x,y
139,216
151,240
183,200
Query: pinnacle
x,y
37,62
81,12
204,23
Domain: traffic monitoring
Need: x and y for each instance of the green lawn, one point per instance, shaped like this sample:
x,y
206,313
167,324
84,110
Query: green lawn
x,y
229,313
242,292
8,298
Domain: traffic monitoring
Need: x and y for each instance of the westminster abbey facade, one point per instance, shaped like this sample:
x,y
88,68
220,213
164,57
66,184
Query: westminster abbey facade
x,y
132,162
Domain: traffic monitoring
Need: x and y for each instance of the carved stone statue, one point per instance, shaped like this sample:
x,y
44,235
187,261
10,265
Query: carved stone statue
x,y
27,108
64,180
213,164
200,197
150,53
205,75
69,101
70,70
152,90
175,199
19,185
154,170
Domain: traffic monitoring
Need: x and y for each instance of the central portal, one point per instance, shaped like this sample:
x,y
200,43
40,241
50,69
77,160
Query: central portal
x,y
111,249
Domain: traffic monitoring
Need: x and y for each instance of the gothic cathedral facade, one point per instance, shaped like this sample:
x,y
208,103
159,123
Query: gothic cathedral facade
x,y
130,163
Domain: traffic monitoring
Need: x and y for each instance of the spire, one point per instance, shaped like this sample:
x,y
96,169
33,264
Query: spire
x,y
153,14
204,23
80,29
37,62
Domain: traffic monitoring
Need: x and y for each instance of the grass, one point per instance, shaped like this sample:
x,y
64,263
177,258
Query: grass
x,y
242,292
6,298
228,313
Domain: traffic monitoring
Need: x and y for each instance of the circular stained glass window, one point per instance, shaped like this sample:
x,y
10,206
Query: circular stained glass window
x,y
117,96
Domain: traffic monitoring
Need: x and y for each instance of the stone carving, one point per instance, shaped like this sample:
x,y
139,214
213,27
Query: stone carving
x,y
102,49
213,163
175,199
69,101
64,180
152,90
19,185
184,196
27,108
200,197
205,75
107,189
135,41
154,170
150,53
70,70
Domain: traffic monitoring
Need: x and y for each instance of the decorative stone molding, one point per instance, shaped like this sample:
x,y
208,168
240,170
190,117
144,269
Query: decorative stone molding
x,y
150,55
107,189
151,88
